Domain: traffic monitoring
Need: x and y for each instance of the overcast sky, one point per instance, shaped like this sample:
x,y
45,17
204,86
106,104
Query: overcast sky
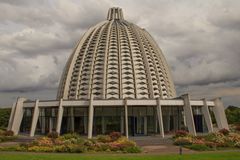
x,y
200,39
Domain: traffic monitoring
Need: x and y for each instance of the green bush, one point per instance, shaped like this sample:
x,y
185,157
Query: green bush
x,y
104,138
7,138
183,141
4,117
181,133
53,135
74,148
224,131
41,149
115,135
134,149
71,136
8,133
199,147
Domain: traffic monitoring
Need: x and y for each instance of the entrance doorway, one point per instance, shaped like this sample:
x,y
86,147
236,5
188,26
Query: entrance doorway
x,y
198,120
138,125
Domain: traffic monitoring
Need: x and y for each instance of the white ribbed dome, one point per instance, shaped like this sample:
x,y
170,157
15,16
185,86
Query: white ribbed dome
x,y
116,60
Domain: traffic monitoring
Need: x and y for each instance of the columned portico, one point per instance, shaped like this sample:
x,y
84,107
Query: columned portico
x,y
140,116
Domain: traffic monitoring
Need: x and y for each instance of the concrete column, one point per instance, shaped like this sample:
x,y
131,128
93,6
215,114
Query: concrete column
x,y
207,116
72,119
103,125
18,115
60,116
85,122
156,124
126,118
219,114
50,125
145,125
188,114
90,118
160,117
11,116
34,119
43,121
122,124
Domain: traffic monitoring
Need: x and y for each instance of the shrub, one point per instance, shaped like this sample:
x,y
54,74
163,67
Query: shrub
x,y
224,131
43,141
237,128
234,137
115,146
199,147
7,138
237,145
103,147
134,149
8,133
1,132
183,141
40,149
11,148
104,138
124,142
70,136
74,148
217,138
211,144
115,135
181,133
198,141
53,135
60,148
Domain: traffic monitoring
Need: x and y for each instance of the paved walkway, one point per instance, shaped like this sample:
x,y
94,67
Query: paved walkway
x,y
158,145
18,140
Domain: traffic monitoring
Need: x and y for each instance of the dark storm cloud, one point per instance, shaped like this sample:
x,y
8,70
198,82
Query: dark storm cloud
x,y
200,40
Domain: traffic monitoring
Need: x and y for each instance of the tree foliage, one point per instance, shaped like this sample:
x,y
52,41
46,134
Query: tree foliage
x,y
233,115
4,117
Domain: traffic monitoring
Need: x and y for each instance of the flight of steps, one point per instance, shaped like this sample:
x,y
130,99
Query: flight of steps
x,y
151,140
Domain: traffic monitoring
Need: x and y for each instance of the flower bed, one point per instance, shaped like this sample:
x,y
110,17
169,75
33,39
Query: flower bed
x,y
73,143
211,141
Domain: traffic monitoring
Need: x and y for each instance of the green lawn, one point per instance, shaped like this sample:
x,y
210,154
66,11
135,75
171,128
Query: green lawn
x,y
55,156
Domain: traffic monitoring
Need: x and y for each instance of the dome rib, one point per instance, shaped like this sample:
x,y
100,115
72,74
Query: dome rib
x,y
105,60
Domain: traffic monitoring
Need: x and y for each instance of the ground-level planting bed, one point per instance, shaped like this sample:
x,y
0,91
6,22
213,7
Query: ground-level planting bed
x,y
221,140
74,143
63,156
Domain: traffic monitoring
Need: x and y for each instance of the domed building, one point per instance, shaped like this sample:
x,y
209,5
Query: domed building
x,y
116,79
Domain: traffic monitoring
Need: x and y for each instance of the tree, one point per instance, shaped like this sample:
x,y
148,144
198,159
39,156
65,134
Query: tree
x,y
233,114
4,117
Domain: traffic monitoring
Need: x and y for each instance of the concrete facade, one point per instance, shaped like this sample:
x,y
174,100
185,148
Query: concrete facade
x,y
158,103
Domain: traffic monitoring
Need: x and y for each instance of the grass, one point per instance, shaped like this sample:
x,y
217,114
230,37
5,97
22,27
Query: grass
x,y
54,156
